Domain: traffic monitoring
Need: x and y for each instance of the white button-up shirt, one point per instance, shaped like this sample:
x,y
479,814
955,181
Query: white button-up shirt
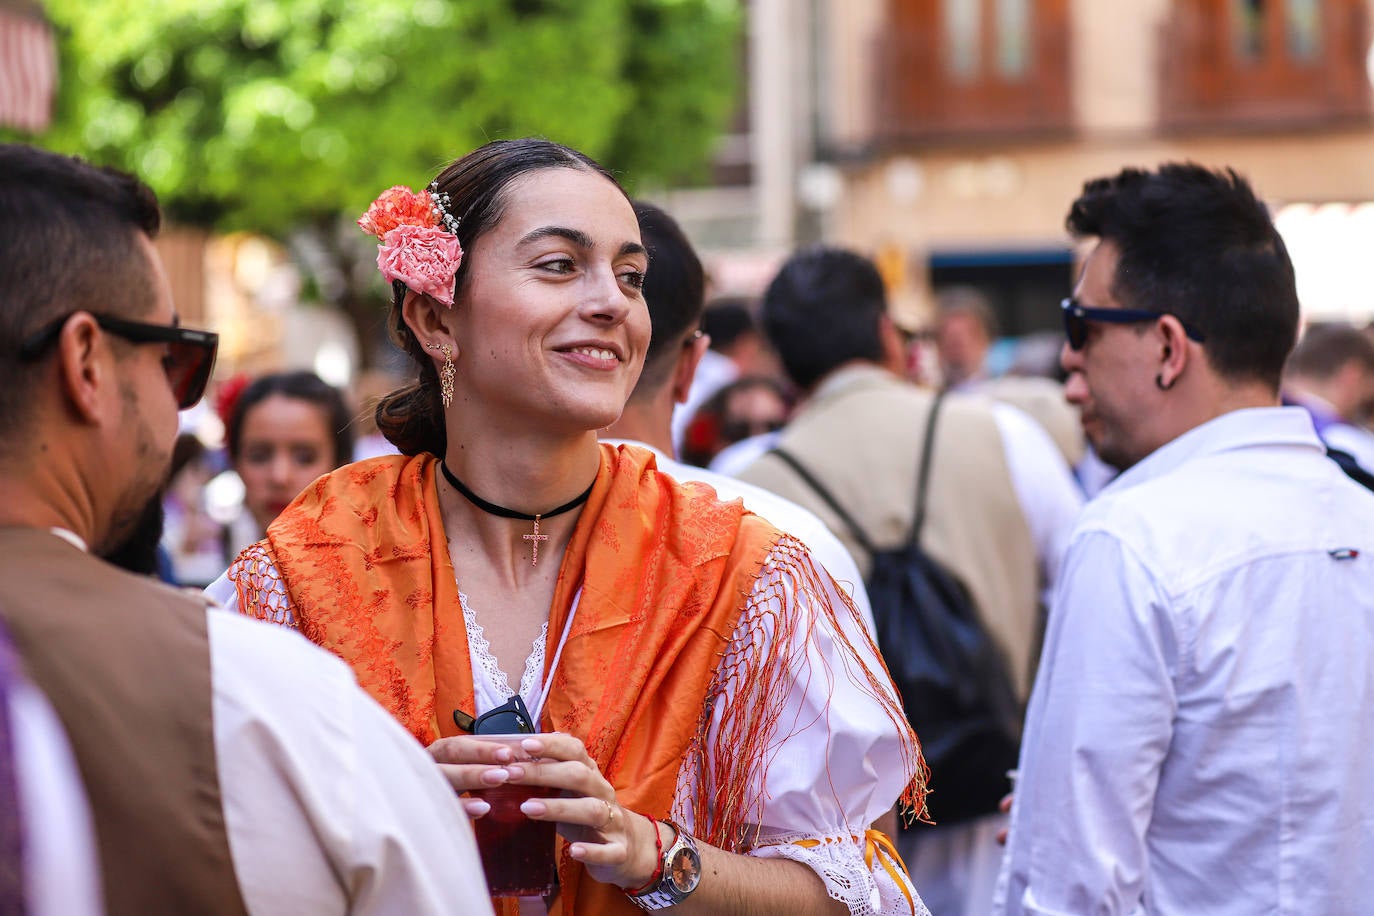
x,y
1199,736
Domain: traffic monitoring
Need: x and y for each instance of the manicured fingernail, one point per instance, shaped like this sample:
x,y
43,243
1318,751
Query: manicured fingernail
x,y
475,807
533,745
504,755
495,777
533,807
516,772
576,851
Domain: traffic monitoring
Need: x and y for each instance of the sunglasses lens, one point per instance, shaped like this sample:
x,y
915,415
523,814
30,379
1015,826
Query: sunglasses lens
x,y
188,369
1075,329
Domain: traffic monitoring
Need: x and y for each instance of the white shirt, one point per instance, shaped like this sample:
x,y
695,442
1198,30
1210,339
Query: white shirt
x,y
61,867
714,372
1050,498
1198,739
331,806
785,515
737,456
1355,441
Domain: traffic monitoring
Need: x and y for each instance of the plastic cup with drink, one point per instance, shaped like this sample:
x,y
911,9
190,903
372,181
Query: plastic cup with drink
x,y
517,852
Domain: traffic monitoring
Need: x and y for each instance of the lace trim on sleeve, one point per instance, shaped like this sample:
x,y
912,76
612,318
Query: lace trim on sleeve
x,y
261,591
864,873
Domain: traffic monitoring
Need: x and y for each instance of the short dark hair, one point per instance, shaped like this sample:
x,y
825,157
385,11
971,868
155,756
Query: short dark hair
x,y
966,300
674,289
1325,349
68,241
477,185
299,386
727,319
1198,244
822,310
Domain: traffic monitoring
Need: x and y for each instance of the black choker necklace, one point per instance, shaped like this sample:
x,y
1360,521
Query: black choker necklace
x,y
492,509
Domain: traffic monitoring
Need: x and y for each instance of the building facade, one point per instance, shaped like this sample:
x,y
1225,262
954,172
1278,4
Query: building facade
x,y
947,137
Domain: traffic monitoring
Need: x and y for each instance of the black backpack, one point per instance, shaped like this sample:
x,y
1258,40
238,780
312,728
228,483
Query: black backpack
x,y
952,677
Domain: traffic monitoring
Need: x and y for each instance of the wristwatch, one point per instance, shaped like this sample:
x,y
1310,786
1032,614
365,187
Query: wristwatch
x,y
681,874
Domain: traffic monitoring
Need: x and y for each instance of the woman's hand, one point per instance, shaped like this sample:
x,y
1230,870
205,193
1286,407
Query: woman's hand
x,y
470,763
617,845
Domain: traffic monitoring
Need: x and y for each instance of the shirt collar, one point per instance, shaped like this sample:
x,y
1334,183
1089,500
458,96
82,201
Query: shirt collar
x,y
71,537
1248,428
856,374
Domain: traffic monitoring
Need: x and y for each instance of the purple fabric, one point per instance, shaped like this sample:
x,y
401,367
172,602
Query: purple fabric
x,y
11,827
1321,418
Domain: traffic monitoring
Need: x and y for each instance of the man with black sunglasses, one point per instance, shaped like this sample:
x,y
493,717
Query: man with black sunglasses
x,y
230,766
1188,747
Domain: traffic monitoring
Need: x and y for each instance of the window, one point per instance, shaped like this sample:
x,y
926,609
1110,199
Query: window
x,y
1263,63
961,68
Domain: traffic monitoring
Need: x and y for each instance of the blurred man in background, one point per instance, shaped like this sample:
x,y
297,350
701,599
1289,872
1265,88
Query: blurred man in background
x,y
673,291
1331,374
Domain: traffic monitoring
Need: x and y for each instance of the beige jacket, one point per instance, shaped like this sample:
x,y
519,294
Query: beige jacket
x,y
860,433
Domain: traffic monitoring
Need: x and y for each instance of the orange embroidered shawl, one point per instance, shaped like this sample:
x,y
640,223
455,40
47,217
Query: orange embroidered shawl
x,y
665,571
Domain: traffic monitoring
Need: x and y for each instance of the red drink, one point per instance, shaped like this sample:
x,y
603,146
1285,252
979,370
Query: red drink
x,y
517,853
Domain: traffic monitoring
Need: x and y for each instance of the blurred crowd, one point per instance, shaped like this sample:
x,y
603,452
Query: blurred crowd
x,y
806,607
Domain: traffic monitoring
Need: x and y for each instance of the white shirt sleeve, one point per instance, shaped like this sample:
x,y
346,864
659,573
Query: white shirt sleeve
x,y
61,870
223,593
835,761
1050,498
331,806
1097,732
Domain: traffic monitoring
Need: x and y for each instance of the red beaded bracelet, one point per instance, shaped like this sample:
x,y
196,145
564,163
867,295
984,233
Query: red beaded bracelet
x,y
658,868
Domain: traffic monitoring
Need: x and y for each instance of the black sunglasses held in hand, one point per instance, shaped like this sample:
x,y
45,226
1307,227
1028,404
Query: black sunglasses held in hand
x,y
1077,318
510,718
189,359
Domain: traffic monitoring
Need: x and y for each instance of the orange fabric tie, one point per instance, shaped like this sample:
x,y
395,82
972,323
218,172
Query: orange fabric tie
x,y
877,845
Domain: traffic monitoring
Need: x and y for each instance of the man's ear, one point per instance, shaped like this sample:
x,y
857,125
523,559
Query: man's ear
x,y
894,348
686,369
85,367
1174,351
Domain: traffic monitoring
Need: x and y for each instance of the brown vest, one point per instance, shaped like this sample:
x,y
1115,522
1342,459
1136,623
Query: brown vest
x,y
125,661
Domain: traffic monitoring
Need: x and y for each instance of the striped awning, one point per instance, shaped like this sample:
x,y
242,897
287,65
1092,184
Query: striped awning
x,y
28,66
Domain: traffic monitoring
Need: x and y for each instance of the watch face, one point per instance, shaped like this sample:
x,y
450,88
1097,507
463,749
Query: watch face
x,y
685,870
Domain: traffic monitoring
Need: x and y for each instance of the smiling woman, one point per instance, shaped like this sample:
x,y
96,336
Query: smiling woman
x,y
679,657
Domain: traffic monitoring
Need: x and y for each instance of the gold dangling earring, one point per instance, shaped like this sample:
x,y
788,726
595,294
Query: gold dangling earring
x,y
446,374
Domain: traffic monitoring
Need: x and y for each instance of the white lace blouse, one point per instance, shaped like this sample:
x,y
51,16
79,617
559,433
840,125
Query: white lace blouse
x,y
834,768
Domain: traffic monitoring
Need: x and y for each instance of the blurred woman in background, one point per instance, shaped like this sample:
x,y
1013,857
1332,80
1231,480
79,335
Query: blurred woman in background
x,y
282,432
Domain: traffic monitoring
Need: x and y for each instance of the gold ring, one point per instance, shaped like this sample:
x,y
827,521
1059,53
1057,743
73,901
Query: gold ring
x,y
610,815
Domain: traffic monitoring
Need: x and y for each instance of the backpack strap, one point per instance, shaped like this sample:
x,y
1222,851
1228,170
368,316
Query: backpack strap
x,y
790,460
922,483
1353,469
923,473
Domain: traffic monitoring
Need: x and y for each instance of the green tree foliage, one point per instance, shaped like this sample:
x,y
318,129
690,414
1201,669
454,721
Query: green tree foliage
x,y
268,115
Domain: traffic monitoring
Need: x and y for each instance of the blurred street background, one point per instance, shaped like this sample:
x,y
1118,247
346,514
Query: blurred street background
x,y
944,138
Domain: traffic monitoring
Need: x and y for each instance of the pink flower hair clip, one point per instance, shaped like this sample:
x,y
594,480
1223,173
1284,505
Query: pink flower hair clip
x,y
419,240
